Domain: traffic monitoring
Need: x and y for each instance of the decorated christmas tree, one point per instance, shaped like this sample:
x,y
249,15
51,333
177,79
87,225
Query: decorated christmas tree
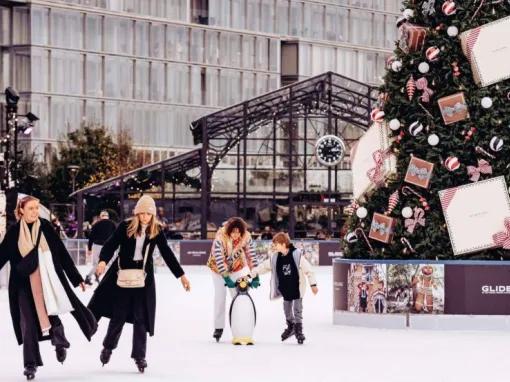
x,y
431,175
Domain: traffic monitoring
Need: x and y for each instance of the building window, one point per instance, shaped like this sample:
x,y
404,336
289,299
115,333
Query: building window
x,y
200,11
177,42
142,38
157,40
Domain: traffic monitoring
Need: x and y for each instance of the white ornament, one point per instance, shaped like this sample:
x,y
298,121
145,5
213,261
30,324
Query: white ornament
x,y
423,67
433,139
486,102
408,13
452,31
394,124
407,212
361,212
396,66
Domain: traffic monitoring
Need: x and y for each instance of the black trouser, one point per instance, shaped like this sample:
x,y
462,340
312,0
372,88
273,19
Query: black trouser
x,y
30,331
129,300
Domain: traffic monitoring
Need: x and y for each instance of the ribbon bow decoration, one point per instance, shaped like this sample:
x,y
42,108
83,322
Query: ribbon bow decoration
x,y
483,168
375,174
380,227
420,173
502,239
423,84
450,111
418,219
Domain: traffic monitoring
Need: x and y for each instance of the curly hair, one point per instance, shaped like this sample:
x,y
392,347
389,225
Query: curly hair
x,y
236,223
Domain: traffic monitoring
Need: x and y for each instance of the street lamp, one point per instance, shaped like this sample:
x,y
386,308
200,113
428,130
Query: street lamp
x,y
73,171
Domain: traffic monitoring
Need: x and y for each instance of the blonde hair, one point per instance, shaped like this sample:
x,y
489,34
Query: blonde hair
x,y
21,204
135,227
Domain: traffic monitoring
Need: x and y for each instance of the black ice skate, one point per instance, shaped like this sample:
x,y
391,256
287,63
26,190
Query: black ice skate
x,y
217,334
88,281
30,372
105,356
289,331
299,333
141,364
61,353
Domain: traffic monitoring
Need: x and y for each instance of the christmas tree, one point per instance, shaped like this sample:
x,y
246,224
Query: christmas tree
x,y
445,106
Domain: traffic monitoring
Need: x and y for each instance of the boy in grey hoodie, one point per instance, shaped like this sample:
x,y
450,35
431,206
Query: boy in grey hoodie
x,y
289,271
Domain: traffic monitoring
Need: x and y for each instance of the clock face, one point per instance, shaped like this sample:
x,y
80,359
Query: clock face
x,y
330,150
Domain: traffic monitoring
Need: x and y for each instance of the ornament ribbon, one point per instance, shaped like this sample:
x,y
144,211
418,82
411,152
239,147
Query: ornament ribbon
x,y
423,84
375,174
457,108
418,219
483,168
420,173
380,227
502,239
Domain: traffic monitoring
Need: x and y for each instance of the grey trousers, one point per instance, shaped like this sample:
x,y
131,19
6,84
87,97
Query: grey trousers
x,y
293,310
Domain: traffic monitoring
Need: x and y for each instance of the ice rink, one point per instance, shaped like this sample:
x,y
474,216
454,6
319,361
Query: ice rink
x,y
183,349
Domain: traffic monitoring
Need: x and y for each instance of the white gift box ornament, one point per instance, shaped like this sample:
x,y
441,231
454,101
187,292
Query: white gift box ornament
x,y
488,50
474,213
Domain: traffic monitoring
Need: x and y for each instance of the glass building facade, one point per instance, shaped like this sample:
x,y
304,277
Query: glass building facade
x,y
151,67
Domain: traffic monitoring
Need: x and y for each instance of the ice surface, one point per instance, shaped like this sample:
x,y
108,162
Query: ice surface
x,y
183,348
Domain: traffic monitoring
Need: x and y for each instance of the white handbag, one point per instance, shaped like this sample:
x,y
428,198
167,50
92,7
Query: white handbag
x,y
133,278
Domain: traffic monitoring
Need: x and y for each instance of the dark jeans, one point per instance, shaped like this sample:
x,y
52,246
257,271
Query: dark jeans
x,y
128,300
30,331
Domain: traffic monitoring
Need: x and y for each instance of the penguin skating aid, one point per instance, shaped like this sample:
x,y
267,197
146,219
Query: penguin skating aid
x,y
243,315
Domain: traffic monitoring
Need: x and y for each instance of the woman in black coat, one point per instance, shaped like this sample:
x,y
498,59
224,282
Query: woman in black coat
x,y
136,240
38,288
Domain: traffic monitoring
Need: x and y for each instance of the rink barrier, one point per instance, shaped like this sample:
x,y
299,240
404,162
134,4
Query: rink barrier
x,y
196,252
449,295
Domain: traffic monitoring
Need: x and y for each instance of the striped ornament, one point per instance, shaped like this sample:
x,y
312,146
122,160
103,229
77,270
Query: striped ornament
x,y
415,128
411,87
449,8
432,53
377,115
392,202
496,144
452,163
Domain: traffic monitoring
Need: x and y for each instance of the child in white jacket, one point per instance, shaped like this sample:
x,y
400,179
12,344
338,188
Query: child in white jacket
x,y
289,270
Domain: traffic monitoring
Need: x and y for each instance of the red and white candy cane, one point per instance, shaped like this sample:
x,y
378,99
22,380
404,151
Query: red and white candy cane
x,y
406,190
406,242
364,237
479,150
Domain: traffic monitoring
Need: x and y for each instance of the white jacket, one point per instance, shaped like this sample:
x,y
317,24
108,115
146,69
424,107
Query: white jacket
x,y
304,267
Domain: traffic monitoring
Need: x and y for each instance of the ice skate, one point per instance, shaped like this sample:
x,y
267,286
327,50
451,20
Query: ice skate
x,y
217,334
299,333
61,353
289,331
141,364
30,372
105,356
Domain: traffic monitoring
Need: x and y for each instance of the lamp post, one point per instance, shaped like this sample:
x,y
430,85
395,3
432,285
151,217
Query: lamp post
x,y
73,171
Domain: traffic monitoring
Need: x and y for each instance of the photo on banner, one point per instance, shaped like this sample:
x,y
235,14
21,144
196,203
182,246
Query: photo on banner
x,y
310,250
416,288
366,288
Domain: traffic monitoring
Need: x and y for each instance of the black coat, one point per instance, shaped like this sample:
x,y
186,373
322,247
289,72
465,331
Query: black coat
x,y
105,295
64,266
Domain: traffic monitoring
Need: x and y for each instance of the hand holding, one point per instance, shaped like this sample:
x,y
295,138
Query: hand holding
x,y
185,283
